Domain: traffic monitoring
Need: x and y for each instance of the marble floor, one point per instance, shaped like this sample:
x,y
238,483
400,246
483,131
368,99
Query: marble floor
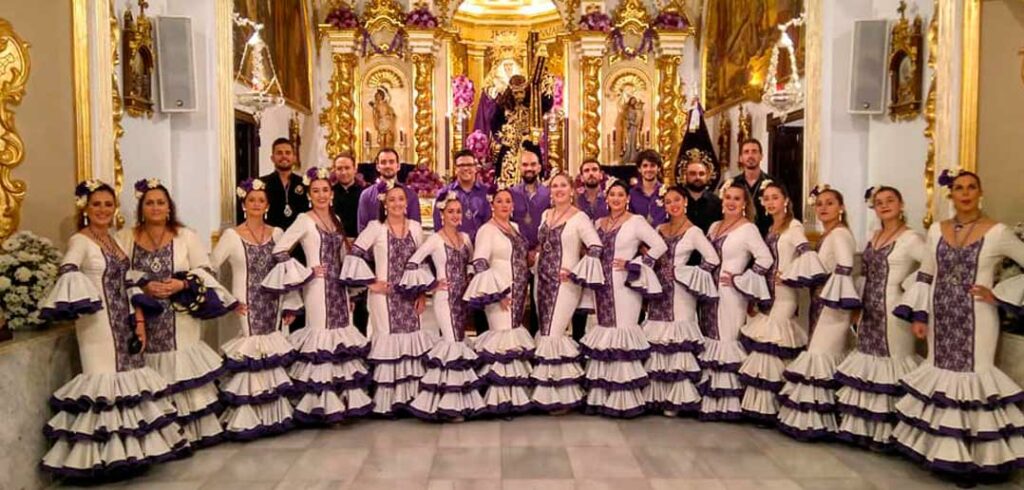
x,y
536,453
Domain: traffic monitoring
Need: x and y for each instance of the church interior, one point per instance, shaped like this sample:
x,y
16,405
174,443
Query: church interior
x,y
849,93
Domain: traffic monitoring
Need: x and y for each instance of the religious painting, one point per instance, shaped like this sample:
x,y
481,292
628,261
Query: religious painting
x,y
386,109
739,40
905,68
628,106
288,36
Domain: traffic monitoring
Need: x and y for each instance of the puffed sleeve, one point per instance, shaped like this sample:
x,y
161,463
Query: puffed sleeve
x,y
417,278
355,269
698,280
588,272
915,303
203,296
1010,292
752,283
806,269
488,285
640,275
73,294
289,274
840,291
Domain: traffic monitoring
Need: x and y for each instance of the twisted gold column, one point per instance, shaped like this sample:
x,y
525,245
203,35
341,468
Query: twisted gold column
x,y
668,100
339,118
929,118
423,83
591,106
555,146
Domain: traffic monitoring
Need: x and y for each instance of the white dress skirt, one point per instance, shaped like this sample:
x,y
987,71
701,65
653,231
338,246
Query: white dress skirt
x,y
116,414
499,262
557,373
870,375
330,373
450,387
616,347
773,337
257,387
961,413
808,399
398,345
174,346
671,325
721,318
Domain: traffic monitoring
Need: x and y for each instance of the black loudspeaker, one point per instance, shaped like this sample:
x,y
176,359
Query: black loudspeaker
x,y
868,65
175,60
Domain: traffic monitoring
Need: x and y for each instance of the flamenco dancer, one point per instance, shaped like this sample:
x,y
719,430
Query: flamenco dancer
x,y
175,276
500,288
616,346
330,372
450,388
774,339
885,344
398,345
562,271
671,325
115,416
961,414
808,399
257,387
738,242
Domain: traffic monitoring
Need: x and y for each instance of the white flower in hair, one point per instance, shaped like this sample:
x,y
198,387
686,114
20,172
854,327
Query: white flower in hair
x,y
725,185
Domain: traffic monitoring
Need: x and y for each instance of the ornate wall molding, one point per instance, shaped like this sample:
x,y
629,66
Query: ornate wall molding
x,y
591,68
423,85
668,95
226,109
812,100
970,62
118,108
929,118
139,63
15,67
338,118
83,103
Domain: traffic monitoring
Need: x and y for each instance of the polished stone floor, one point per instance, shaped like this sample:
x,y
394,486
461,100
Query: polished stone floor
x,y
536,453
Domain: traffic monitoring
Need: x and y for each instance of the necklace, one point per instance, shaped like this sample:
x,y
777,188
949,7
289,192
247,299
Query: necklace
x,y
671,231
883,240
724,230
453,242
155,242
614,221
391,228
287,197
504,227
558,219
958,227
322,223
105,243
263,233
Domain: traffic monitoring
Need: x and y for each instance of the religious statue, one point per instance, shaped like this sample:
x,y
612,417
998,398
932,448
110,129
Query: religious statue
x,y
512,124
383,118
495,84
628,126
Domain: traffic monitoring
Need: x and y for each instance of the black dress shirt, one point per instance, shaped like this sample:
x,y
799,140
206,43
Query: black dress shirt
x,y
346,206
295,196
704,210
763,220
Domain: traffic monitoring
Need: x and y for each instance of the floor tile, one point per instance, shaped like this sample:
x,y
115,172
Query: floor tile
x,y
836,484
287,484
809,461
328,464
196,467
671,462
532,431
410,463
558,484
467,463
761,484
489,484
255,465
535,463
729,464
603,462
595,431
685,484
296,439
612,484
238,485
387,484
474,434
158,485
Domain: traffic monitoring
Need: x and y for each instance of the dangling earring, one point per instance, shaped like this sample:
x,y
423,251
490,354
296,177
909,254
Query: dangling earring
x,y
841,214
245,214
85,219
265,216
981,202
903,216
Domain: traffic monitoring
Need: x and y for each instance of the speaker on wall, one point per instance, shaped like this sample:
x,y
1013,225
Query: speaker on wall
x,y
868,66
176,74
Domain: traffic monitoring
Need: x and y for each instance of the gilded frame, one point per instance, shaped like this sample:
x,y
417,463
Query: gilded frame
x,y
13,80
905,68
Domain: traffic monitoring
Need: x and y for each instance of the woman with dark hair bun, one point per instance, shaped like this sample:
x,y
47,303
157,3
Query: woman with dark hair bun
x,y
114,416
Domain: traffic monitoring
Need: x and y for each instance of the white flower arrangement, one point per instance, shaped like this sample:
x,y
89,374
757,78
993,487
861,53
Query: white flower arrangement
x,y
28,268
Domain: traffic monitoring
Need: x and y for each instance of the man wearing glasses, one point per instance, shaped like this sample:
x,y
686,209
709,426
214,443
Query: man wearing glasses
x,y
476,209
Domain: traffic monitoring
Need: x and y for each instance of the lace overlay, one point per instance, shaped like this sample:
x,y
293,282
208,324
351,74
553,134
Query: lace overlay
x,y
336,295
118,313
455,270
401,308
662,308
549,263
158,265
953,306
605,295
872,337
261,305
520,271
708,308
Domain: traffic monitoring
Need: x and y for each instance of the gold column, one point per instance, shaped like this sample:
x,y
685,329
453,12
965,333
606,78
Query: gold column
x,y
555,157
338,118
812,101
929,118
118,112
423,84
83,111
970,64
12,87
668,99
591,106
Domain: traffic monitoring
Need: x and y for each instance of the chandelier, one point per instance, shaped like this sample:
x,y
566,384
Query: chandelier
x,y
780,96
256,72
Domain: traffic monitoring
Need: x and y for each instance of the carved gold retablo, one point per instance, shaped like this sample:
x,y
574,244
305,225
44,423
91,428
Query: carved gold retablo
x,y
139,60
905,67
14,72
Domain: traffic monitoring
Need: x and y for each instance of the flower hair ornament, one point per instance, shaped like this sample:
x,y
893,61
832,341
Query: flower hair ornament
x,y
947,177
727,183
869,196
317,173
609,180
82,191
817,191
764,185
144,185
249,185
383,186
494,189
446,197
660,200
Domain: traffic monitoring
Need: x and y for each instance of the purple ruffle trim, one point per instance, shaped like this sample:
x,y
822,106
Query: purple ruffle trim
x,y
396,360
957,468
579,281
415,290
341,353
504,357
806,282
940,399
493,378
615,355
706,390
212,408
209,305
961,434
674,376
725,367
700,295
614,412
770,349
318,415
86,403
905,313
806,435
863,441
720,416
250,364
290,287
441,415
556,361
635,384
798,378
118,468
554,383
675,407
868,386
103,434
842,304
70,310
691,346
150,307
761,418
261,431
861,413
466,388
642,291
632,271
558,407
1010,307
479,302
283,390
506,409
807,406
360,381
460,364
193,383
763,384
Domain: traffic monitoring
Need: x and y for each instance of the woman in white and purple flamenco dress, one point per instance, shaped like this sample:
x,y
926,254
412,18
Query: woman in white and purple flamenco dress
x,y
398,345
870,375
115,415
616,347
961,413
257,388
773,338
738,243
671,325
172,267
330,373
450,388
499,286
808,399
562,272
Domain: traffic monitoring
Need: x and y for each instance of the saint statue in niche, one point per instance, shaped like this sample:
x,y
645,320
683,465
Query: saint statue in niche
x,y
629,125
495,84
383,118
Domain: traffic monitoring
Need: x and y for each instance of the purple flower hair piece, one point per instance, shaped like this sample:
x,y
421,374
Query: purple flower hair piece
x,y
947,177
144,185
817,191
84,189
249,185
318,173
869,193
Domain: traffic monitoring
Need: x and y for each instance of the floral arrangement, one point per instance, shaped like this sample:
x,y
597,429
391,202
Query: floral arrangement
x,y
595,20
557,91
947,177
420,17
82,191
486,176
28,268
646,44
478,143
370,46
446,197
144,185
318,173
671,20
423,181
249,185
342,17
462,92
